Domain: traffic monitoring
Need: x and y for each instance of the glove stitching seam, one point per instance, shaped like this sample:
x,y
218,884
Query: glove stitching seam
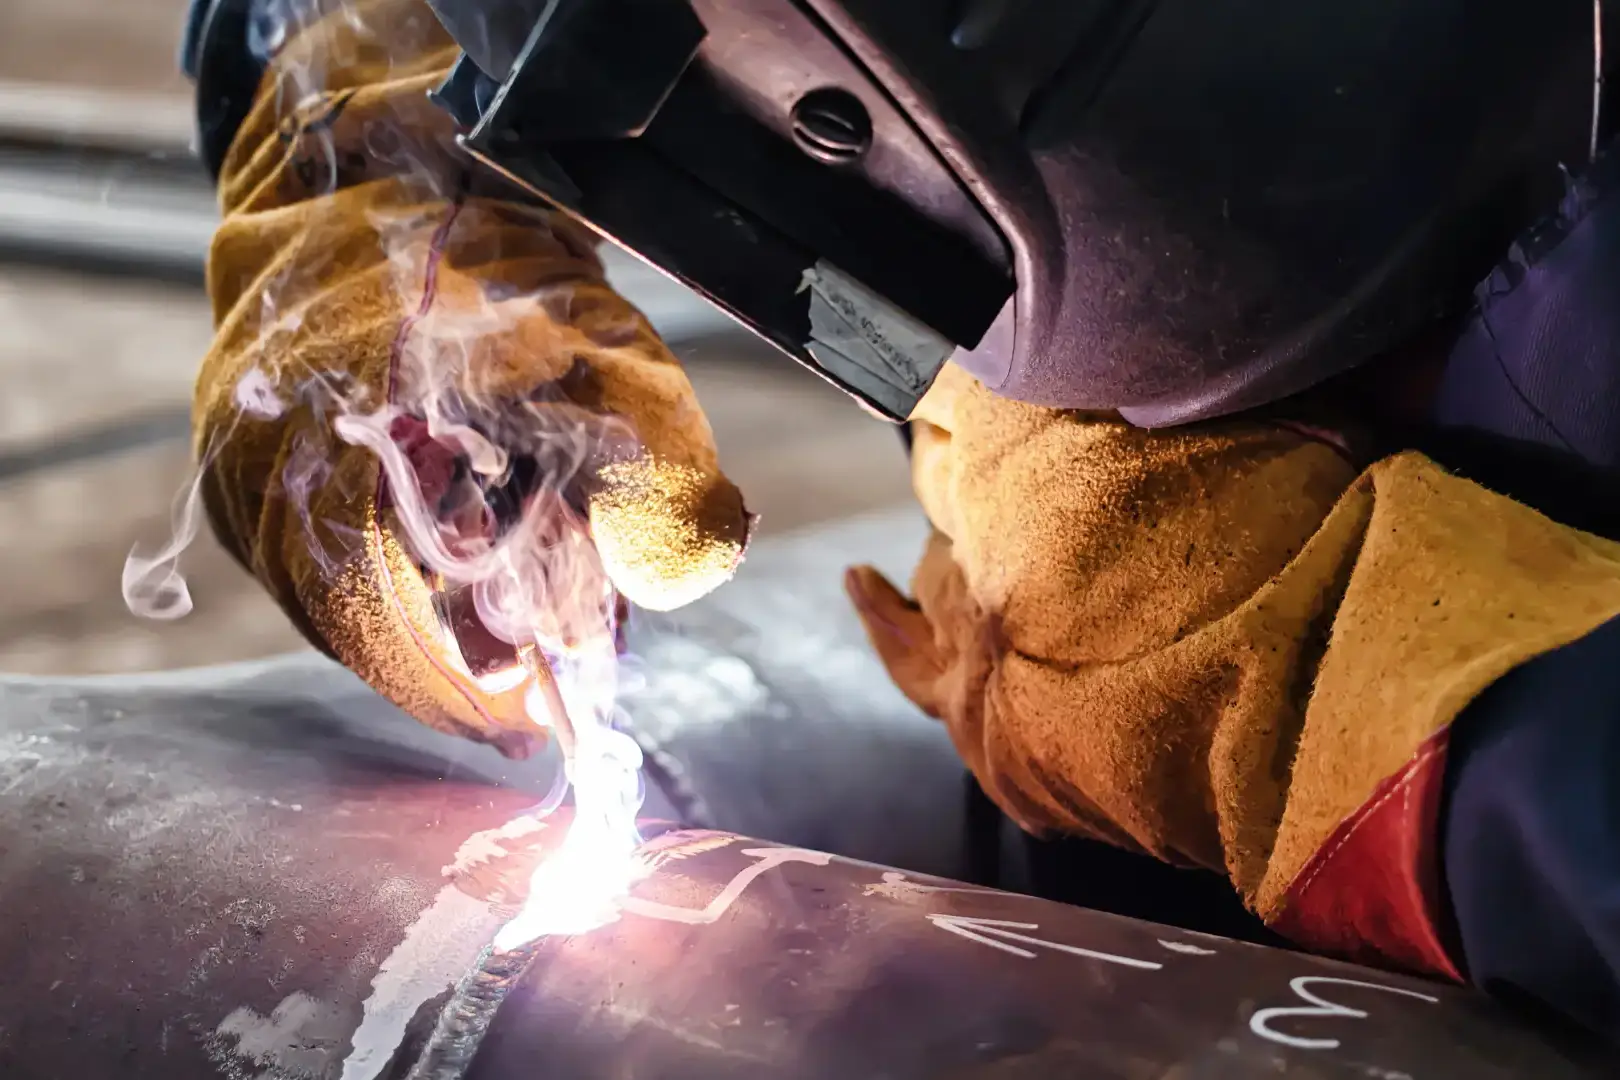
x,y
430,281
1362,816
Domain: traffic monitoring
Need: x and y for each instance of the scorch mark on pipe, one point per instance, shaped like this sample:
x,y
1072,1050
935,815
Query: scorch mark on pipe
x,y
436,952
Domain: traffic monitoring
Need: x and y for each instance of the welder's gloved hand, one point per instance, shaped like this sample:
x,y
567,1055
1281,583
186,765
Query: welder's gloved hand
x,y
372,299
1222,646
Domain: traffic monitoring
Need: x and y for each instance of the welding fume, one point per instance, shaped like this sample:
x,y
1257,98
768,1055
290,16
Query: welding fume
x,y
1257,367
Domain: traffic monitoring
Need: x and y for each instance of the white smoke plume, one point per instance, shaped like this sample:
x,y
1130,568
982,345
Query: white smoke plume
x,y
502,521
154,587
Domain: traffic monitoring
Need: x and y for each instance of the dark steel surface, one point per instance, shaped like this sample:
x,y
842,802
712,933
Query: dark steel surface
x,y
742,959
211,873
227,873
778,719
266,872
203,882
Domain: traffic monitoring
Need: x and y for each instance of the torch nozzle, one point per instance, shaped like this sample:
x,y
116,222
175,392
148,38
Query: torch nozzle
x,y
557,718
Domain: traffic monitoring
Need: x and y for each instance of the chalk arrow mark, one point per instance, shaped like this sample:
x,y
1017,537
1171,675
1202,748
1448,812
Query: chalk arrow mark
x,y
769,858
999,934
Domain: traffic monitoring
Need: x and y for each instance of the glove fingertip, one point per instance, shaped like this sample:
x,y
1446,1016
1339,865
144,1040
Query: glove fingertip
x,y
668,534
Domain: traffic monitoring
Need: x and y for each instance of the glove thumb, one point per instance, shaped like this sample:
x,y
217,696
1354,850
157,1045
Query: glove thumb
x,y
667,524
901,634
667,532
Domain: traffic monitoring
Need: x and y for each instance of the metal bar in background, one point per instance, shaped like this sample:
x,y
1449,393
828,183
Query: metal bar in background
x,y
102,181
109,439
97,212
127,121
109,183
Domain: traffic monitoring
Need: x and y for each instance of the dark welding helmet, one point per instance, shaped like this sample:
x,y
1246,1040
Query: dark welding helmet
x,y
1178,209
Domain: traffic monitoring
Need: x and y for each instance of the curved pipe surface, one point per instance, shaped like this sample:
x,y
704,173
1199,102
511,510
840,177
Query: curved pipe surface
x,y
265,871
740,959
192,861
238,895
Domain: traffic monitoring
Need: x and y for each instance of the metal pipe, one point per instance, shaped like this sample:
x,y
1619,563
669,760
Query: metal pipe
x,y
237,888
264,871
743,959
276,898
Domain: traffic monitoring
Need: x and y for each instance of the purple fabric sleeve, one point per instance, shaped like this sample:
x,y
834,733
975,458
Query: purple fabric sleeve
x,y
1530,826
1539,361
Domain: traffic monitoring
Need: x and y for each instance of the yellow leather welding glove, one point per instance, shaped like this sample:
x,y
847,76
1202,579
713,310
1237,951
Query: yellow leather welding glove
x,y
1222,646
363,276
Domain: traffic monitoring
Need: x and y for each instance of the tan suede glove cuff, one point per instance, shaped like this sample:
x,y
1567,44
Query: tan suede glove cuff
x,y
1214,643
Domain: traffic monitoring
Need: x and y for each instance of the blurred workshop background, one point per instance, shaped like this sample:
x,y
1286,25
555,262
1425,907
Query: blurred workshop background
x,y
104,223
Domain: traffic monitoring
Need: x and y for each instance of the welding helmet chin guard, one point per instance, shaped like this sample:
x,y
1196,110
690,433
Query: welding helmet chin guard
x,y
1178,209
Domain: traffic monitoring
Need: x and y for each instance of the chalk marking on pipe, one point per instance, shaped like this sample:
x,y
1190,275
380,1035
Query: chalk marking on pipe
x,y
769,858
897,886
435,953
291,1042
483,847
988,931
661,851
1186,949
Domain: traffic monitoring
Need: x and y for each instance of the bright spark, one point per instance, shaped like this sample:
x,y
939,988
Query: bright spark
x,y
580,886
